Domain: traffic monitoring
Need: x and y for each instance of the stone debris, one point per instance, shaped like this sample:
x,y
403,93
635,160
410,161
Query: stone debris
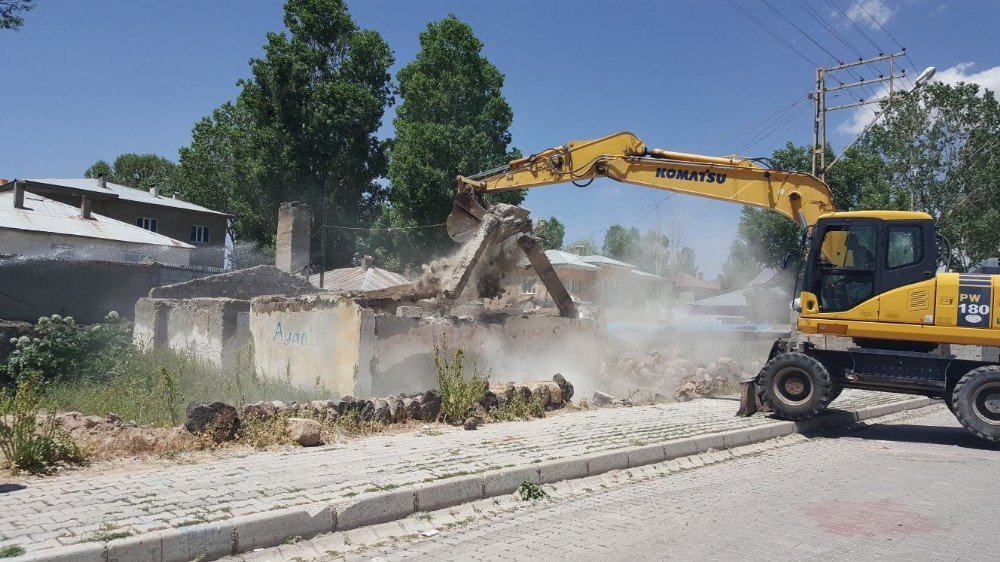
x,y
602,399
668,374
109,436
305,432
217,420
472,422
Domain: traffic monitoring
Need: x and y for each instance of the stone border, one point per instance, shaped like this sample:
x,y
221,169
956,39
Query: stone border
x,y
209,541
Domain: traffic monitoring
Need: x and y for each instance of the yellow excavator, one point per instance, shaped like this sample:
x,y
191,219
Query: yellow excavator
x,y
872,276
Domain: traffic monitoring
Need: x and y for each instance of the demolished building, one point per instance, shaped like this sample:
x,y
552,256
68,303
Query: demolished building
x,y
367,342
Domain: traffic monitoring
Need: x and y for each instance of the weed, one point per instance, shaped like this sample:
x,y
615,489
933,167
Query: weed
x,y
459,394
529,491
519,408
291,540
108,532
28,441
11,551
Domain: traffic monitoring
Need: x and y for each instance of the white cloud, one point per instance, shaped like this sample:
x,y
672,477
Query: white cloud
x,y
961,72
879,10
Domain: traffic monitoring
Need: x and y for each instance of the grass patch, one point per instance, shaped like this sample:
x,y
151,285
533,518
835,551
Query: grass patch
x,y
519,408
108,533
459,393
28,441
529,491
154,387
11,551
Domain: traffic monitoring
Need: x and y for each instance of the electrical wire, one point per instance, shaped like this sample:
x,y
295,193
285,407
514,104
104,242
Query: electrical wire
x,y
773,34
882,27
389,229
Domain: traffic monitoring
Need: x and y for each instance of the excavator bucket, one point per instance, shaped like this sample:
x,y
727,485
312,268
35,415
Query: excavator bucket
x,y
466,215
748,399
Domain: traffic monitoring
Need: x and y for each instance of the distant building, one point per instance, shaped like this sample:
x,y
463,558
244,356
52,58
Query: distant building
x,y
688,288
734,303
32,225
594,279
202,228
366,277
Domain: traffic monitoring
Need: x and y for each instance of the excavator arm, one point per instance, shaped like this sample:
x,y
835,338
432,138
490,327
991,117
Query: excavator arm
x,y
624,157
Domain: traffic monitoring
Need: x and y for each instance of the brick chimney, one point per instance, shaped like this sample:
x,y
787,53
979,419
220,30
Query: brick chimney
x,y
18,194
85,207
291,252
102,180
153,191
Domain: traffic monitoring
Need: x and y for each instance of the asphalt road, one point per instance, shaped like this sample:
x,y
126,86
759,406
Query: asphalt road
x,y
919,488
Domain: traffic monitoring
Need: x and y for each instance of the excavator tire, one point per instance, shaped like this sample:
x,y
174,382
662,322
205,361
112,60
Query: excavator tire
x,y
795,386
835,392
976,402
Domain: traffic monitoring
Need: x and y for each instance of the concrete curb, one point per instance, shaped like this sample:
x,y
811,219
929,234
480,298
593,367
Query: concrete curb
x,y
209,541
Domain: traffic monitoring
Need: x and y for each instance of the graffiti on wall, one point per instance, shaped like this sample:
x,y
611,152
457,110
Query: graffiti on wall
x,y
288,337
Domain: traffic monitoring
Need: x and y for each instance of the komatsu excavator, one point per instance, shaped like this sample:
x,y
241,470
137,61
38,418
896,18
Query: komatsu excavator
x,y
872,276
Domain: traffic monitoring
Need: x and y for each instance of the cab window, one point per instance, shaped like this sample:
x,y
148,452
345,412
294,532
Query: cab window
x,y
847,266
905,246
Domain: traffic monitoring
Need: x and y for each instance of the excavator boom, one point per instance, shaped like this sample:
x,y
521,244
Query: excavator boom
x,y
623,157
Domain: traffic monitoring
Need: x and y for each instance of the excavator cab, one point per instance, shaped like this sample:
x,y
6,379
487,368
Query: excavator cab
x,y
854,256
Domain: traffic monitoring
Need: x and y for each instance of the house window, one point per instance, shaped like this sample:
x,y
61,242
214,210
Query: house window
x,y
199,234
147,223
575,286
528,286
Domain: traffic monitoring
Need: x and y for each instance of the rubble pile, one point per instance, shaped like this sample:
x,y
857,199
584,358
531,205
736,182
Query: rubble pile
x,y
660,374
552,394
107,436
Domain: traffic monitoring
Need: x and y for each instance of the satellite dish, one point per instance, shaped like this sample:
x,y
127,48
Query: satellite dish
x,y
925,76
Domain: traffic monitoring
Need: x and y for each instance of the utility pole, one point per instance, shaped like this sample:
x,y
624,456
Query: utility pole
x,y
819,166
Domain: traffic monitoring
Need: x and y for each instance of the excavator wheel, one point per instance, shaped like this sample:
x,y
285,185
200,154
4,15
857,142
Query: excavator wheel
x,y
795,386
976,402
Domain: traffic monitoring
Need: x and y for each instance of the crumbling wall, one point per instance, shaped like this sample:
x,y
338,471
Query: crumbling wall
x,y
311,341
243,284
213,329
85,290
511,347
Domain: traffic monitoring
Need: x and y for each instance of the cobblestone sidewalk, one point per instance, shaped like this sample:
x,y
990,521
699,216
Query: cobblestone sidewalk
x,y
70,509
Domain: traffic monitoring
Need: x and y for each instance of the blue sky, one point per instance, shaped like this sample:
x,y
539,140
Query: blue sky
x,y
91,79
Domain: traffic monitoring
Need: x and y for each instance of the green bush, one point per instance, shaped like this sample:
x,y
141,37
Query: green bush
x,y
30,441
459,394
61,349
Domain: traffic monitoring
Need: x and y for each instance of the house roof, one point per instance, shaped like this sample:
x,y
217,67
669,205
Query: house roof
x,y
45,215
566,259
90,187
603,260
359,279
685,281
732,298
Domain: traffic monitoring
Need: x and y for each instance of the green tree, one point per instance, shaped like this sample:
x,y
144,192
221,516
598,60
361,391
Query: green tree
x,y
453,119
553,234
686,261
651,252
11,12
620,243
764,238
939,148
582,247
302,128
140,171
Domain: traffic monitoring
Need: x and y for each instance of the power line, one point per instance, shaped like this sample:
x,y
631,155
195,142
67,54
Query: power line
x,y
772,33
882,27
855,26
804,34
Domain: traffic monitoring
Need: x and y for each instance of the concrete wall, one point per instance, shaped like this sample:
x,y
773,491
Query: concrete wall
x,y
172,222
242,284
318,340
85,290
213,329
25,243
314,341
399,352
